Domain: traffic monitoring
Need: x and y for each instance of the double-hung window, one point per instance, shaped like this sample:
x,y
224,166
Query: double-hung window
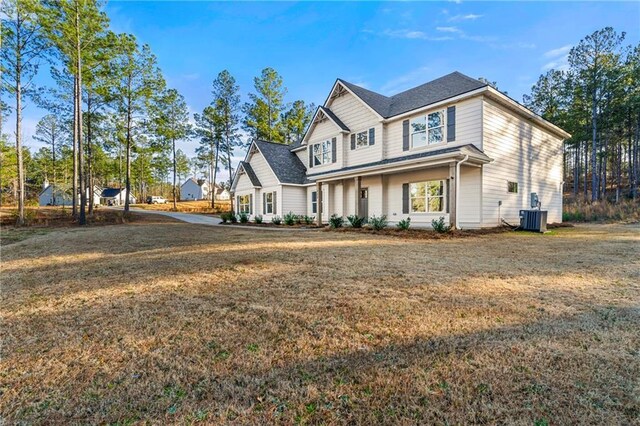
x,y
322,153
362,139
244,205
427,197
268,203
427,130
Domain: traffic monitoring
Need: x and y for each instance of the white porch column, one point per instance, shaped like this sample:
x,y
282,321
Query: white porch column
x,y
319,203
358,181
453,196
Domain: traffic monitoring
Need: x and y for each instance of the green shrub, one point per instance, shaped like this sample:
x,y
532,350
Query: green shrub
x,y
257,218
404,224
336,221
289,219
276,220
226,217
355,221
243,217
308,219
440,226
378,223
233,218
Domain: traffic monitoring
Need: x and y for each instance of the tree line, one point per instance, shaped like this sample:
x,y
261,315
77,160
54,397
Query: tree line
x,y
596,99
111,119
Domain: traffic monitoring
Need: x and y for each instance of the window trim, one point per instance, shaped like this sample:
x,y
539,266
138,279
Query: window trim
x,y
509,182
427,197
268,203
328,152
443,126
242,206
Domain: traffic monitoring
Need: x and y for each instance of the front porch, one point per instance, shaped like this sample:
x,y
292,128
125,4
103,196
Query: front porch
x,y
424,192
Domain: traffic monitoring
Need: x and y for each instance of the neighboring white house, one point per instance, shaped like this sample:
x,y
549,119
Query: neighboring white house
x,y
62,195
222,193
193,189
454,147
115,197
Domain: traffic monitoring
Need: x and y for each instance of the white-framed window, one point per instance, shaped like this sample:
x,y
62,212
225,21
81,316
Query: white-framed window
x,y
512,187
322,153
427,129
244,204
427,197
268,203
362,139
314,202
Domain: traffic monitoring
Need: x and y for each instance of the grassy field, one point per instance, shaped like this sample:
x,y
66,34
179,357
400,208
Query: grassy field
x,y
202,206
177,323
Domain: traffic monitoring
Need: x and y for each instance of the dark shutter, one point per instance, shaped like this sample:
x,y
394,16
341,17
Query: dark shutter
x,y
333,150
310,148
405,198
264,203
451,123
314,200
250,203
275,205
372,136
405,135
353,141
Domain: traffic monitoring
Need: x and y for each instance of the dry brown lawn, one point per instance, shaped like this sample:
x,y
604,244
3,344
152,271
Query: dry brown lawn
x,y
178,323
201,206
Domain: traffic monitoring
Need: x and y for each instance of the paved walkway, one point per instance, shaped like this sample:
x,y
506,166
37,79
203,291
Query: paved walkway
x,y
200,219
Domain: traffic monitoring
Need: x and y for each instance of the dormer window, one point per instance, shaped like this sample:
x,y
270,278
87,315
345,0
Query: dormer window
x,y
427,130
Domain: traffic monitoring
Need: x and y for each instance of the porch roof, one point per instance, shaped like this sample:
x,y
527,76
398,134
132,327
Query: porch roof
x,y
475,155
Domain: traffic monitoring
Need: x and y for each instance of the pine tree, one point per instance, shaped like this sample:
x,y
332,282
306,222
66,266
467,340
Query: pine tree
x,y
23,45
50,132
170,117
262,114
296,120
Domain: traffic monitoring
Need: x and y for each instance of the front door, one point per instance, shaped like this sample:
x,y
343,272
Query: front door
x,y
363,206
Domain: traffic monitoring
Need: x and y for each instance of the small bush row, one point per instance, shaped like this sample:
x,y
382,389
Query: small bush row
x,y
380,222
288,219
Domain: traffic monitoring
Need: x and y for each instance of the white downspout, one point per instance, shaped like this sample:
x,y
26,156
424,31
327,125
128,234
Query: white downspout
x,y
466,157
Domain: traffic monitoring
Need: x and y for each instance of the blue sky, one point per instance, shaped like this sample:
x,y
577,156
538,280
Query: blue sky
x,y
386,47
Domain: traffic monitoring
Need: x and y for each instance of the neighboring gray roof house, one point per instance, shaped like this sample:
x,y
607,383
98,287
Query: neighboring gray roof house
x,y
453,147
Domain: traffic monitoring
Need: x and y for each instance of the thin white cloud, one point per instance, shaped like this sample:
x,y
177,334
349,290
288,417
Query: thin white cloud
x,y
560,51
560,64
513,45
448,29
414,35
405,81
467,17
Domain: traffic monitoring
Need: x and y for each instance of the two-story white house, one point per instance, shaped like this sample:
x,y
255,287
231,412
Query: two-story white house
x,y
453,147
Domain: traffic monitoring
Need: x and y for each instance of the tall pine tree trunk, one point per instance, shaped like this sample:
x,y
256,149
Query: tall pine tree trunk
x,y
175,195
83,189
74,184
127,192
594,159
215,173
20,165
89,156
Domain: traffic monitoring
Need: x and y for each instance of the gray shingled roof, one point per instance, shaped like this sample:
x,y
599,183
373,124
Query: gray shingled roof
x,y
250,173
442,88
110,192
468,149
285,164
331,115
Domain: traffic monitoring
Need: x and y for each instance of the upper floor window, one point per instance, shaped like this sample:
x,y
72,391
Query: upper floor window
x,y
427,197
362,139
427,130
322,153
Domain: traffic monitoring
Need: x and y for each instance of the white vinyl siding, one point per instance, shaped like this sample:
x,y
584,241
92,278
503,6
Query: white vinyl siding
x,y
468,129
292,199
469,199
357,117
244,183
262,170
523,153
